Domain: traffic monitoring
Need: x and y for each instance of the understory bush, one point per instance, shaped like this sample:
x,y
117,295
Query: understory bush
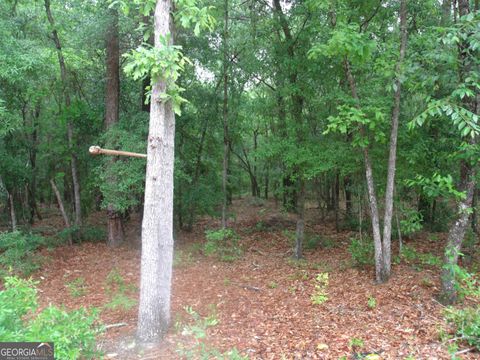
x,y
73,332
466,323
17,253
222,243
362,251
466,320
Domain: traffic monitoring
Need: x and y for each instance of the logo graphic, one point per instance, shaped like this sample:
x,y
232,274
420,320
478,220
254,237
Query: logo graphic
x,y
26,351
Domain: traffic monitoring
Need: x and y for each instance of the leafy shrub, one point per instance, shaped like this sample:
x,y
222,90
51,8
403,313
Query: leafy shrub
x,y
87,233
314,241
362,251
467,324
372,302
18,252
321,284
411,222
72,332
222,243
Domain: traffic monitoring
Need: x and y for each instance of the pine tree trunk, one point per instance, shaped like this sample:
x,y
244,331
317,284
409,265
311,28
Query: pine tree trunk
x,y
225,117
157,224
64,77
115,235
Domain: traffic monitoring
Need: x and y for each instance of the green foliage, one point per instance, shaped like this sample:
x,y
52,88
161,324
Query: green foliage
x,y
77,287
411,222
466,323
122,182
356,343
372,302
314,241
350,118
361,251
18,252
222,243
197,331
345,42
320,294
119,292
72,332
436,186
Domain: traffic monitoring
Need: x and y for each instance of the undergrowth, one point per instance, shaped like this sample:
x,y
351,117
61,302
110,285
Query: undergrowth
x,y
195,335
17,253
223,244
73,332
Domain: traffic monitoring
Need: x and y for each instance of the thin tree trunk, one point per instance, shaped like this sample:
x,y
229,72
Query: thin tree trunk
x,y
399,230
457,231
63,73
372,197
115,235
300,227
157,224
62,209
392,159
225,117
13,217
455,239
347,183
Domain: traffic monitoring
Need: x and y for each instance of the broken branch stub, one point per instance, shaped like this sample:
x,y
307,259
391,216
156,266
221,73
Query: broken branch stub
x,y
96,150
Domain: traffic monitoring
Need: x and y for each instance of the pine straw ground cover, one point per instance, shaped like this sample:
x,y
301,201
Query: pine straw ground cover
x,y
262,301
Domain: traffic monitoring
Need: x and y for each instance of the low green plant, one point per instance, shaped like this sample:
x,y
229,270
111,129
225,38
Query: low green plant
x,y
18,253
77,287
314,241
223,244
372,302
409,253
272,285
119,291
361,251
182,258
73,332
466,323
196,333
120,301
356,343
320,294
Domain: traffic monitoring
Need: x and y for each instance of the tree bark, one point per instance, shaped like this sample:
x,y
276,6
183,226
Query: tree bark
x,y
457,231
13,217
297,109
62,209
64,77
115,233
157,224
372,197
392,159
300,227
225,117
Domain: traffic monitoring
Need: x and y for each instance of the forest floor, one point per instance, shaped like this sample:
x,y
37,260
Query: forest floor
x,y
259,304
